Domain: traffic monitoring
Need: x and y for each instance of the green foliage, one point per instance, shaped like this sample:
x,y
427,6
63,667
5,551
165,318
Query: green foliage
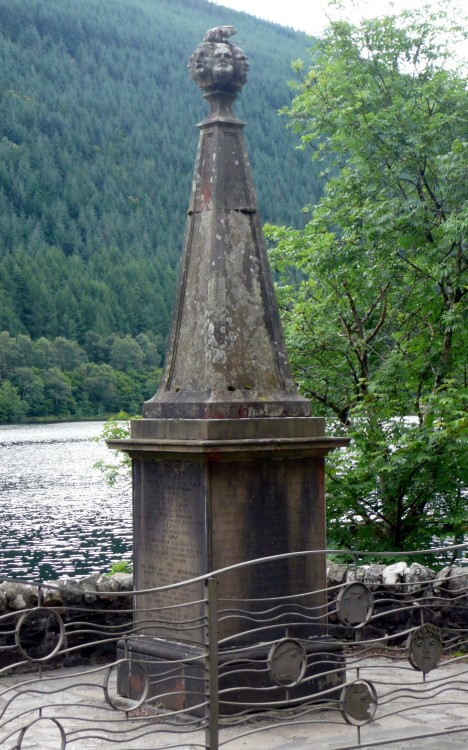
x,y
12,408
97,143
58,379
122,566
116,428
373,290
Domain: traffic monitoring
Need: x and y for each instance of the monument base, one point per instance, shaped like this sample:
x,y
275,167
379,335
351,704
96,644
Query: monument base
x,y
210,495
177,675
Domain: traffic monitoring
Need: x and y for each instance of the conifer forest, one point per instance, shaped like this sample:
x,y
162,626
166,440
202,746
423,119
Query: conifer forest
x,y
97,145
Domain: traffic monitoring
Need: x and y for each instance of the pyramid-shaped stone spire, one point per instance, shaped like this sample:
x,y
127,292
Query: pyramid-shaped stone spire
x,y
226,356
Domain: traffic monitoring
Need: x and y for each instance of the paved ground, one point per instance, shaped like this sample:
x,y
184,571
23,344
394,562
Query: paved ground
x,y
408,708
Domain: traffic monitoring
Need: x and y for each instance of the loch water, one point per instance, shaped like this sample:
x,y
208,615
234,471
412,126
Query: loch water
x,y
57,515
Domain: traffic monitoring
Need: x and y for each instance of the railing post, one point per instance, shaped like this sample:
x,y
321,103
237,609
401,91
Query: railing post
x,y
211,664
40,597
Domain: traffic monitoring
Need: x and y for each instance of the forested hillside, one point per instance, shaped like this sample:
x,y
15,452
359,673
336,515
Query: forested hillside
x,y
97,144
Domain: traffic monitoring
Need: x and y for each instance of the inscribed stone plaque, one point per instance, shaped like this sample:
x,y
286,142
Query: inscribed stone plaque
x,y
170,546
192,517
275,507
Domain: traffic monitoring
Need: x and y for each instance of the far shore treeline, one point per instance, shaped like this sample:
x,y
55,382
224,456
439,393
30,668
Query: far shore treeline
x,y
97,146
58,377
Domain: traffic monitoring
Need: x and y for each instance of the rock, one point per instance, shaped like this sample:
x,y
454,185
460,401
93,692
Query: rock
x,y
107,583
458,581
440,583
90,580
356,574
51,597
393,575
31,595
17,602
70,590
89,588
3,601
9,588
125,581
417,578
373,576
106,586
336,573
19,592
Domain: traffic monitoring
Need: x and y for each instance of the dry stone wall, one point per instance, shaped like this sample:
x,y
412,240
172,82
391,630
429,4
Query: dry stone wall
x,y
404,596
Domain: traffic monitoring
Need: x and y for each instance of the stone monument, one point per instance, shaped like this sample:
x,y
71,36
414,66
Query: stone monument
x,y
228,465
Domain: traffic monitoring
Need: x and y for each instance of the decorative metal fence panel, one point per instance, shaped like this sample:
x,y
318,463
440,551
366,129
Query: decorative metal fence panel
x,y
381,660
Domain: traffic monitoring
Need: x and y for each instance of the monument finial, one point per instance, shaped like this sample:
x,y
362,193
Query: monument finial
x,y
226,357
219,34
217,64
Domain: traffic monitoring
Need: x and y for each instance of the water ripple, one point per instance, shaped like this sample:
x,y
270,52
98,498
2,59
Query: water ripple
x,y
59,517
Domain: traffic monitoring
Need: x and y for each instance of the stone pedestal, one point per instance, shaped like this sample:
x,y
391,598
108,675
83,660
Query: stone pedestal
x,y
209,494
183,685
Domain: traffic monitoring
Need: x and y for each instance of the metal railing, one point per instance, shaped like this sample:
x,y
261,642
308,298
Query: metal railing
x,y
364,664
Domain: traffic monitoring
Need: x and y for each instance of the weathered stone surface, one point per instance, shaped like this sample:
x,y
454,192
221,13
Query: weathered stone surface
x,y
70,590
207,497
450,583
458,581
373,575
94,587
19,596
226,356
124,581
441,581
217,64
17,602
417,578
204,502
89,588
355,574
213,431
51,597
191,517
106,586
336,574
393,575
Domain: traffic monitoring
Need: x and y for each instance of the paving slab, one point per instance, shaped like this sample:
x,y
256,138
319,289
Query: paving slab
x,y
412,714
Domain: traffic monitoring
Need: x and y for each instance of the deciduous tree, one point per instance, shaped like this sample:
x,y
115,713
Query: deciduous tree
x,y
373,289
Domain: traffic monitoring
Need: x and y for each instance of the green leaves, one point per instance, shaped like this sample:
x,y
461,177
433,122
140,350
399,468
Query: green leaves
x,y
404,479
97,145
120,468
58,378
372,291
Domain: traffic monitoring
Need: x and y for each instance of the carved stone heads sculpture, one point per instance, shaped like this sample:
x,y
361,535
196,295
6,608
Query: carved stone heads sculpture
x,y
217,64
